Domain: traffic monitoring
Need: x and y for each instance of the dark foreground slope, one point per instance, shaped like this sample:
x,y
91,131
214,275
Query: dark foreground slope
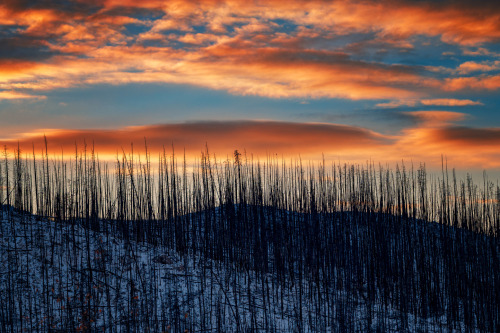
x,y
247,268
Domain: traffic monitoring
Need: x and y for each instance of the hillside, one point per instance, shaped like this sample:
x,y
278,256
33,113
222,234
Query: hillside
x,y
247,269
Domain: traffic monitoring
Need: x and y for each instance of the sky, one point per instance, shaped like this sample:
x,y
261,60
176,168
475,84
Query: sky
x,y
348,80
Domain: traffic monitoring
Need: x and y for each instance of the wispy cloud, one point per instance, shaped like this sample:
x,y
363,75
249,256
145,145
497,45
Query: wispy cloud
x,y
13,95
482,82
258,137
436,118
396,104
256,71
449,102
428,102
473,66
435,133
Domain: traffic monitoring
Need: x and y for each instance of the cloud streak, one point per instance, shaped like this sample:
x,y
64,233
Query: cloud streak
x,y
258,137
13,95
449,102
435,134
429,102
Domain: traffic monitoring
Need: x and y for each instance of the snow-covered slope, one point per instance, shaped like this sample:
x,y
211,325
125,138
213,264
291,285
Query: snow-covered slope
x,y
62,277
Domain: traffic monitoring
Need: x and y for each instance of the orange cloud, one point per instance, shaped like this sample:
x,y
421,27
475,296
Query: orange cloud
x,y
455,23
483,82
18,95
255,71
449,102
472,66
257,137
429,102
31,19
398,103
436,118
432,137
464,148
436,135
479,51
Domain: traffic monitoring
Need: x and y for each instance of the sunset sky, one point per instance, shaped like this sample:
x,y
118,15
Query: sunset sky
x,y
353,80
